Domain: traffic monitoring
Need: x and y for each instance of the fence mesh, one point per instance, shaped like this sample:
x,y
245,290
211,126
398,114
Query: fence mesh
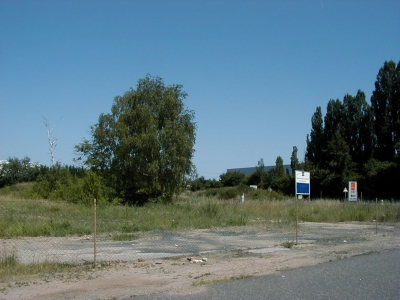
x,y
107,246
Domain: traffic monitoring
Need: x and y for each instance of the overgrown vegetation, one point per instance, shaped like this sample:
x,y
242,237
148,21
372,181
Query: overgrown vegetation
x,y
27,217
21,217
12,270
16,170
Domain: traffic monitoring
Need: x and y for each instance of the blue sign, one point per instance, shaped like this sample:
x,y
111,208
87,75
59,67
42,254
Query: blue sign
x,y
302,179
303,188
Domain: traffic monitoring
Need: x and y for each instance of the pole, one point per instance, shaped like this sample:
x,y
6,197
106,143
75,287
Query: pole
x,y
376,215
94,233
297,218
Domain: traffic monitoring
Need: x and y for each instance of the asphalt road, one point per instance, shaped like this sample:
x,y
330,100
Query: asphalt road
x,y
373,276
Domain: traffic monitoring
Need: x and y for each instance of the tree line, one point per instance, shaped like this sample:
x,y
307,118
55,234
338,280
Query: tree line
x,y
354,141
142,150
358,141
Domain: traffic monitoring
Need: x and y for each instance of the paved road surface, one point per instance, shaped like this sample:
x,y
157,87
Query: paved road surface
x,y
373,276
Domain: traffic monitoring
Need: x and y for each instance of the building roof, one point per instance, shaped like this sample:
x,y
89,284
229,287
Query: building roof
x,y
250,170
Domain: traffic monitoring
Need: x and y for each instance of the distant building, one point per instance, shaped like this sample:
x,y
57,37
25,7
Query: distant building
x,y
31,164
251,170
3,162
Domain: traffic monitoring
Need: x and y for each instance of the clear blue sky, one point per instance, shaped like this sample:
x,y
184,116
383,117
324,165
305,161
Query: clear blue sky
x,y
255,71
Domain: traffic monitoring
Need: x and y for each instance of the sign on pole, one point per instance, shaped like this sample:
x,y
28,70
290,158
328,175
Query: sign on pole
x,y
302,186
352,196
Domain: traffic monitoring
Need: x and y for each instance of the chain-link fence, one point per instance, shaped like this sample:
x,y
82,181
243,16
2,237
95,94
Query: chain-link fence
x,y
91,247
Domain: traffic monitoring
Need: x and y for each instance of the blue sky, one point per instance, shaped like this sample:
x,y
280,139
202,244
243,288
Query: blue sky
x,y
255,71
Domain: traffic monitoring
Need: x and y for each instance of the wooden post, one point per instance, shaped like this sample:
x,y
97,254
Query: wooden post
x,y
94,232
376,215
297,218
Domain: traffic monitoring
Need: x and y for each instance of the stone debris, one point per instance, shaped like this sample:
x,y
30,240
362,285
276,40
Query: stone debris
x,y
195,261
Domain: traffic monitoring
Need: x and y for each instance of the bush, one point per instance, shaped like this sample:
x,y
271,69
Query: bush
x,y
225,193
72,185
16,171
233,179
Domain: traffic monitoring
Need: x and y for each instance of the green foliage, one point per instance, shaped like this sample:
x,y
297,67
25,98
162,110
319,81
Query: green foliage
x,y
357,129
232,179
294,161
284,184
257,177
385,103
279,170
21,217
144,147
316,139
381,179
357,141
225,193
202,184
70,184
8,259
16,170
24,217
264,195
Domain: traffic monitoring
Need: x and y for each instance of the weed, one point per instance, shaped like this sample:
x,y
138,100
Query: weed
x,y
25,217
366,253
222,280
8,259
124,237
287,244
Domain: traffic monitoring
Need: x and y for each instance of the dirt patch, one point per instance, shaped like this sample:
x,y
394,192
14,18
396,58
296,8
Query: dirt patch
x,y
317,243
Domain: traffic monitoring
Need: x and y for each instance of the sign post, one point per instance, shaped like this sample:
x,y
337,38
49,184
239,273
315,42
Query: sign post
x,y
302,187
352,191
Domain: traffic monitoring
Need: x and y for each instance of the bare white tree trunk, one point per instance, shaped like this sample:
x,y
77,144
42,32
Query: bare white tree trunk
x,y
52,141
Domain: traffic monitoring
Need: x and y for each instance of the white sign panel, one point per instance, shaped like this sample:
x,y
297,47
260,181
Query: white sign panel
x,y
352,191
302,182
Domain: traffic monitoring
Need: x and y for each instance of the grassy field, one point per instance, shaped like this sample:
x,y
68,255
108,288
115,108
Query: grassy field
x,y
20,217
24,217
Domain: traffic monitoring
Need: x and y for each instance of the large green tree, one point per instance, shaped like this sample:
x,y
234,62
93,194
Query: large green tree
x,y
145,145
357,128
333,119
315,141
385,102
294,161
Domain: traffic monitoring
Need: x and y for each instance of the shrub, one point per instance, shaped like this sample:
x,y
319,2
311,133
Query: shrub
x,y
16,171
72,185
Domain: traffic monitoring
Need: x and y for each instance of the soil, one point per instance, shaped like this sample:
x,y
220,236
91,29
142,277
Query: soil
x,y
176,274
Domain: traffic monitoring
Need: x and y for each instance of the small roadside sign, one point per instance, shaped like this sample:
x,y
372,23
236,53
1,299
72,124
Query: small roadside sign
x,y
353,191
345,190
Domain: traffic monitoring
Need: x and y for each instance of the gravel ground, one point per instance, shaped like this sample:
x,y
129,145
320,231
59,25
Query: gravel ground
x,y
157,262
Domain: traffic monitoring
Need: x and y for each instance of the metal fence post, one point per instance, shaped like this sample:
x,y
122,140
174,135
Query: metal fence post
x,y
376,215
297,219
94,232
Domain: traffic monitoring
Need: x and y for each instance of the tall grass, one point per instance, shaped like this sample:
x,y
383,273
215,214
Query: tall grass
x,y
12,269
25,217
